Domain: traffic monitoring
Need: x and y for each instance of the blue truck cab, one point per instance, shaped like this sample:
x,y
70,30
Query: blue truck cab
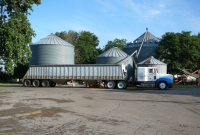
x,y
149,77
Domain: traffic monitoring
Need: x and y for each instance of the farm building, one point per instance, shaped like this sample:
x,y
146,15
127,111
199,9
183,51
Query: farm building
x,y
52,50
148,49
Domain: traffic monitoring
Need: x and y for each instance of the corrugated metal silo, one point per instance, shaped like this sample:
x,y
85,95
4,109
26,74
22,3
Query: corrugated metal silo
x,y
115,56
150,43
112,56
152,62
52,50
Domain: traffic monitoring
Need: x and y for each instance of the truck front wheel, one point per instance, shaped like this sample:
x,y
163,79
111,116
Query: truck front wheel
x,y
162,85
111,84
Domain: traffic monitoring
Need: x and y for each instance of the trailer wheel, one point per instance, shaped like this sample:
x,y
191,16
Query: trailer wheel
x,y
111,84
45,83
162,85
121,85
27,83
52,84
36,83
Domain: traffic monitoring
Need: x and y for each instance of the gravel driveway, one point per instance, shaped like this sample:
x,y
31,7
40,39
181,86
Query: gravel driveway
x,y
88,111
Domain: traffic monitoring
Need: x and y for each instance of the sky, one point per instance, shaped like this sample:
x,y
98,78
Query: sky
x,y
110,19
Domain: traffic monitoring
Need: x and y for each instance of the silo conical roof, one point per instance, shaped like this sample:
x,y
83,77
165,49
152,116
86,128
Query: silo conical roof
x,y
152,60
148,38
148,48
114,52
52,40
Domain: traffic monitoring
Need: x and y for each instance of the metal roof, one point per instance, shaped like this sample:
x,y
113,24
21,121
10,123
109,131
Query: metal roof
x,y
148,40
52,40
151,60
114,52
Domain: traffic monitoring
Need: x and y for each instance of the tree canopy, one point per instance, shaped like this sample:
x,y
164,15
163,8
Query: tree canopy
x,y
86,48
85,44
15,32
179,50
120,43
70,36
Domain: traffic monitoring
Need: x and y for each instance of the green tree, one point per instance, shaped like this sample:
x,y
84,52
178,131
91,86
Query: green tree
x,y
15,32
120,43
86,48
20,70
70,36
179,50
1,63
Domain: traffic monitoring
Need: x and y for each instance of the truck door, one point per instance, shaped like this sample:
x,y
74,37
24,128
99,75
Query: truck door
x,y
152,74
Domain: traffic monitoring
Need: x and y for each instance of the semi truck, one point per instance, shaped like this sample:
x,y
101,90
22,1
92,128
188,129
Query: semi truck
x,y
113,75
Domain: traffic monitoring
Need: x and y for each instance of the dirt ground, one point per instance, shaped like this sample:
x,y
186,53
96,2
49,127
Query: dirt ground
x,y
90,111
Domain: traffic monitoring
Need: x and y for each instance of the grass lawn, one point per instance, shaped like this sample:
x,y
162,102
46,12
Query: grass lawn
x,y
10,84
184,86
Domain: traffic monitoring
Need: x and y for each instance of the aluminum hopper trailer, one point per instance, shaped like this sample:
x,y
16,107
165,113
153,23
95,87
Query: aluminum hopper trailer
x,y
111,74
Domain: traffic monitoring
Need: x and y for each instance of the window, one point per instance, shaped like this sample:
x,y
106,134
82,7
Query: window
x,y
150,70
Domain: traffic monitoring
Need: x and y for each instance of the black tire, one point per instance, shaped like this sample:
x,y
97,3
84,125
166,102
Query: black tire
x,y
162,85
36,83
111,84
121,85
45,83
52,84
27,83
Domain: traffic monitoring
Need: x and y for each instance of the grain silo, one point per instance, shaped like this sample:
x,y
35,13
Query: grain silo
x,y
149,44
112,56
52,50
152,62
116,56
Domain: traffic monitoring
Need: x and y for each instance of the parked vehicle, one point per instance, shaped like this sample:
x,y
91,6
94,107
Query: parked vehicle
x,y
114,76
149,77
90,73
